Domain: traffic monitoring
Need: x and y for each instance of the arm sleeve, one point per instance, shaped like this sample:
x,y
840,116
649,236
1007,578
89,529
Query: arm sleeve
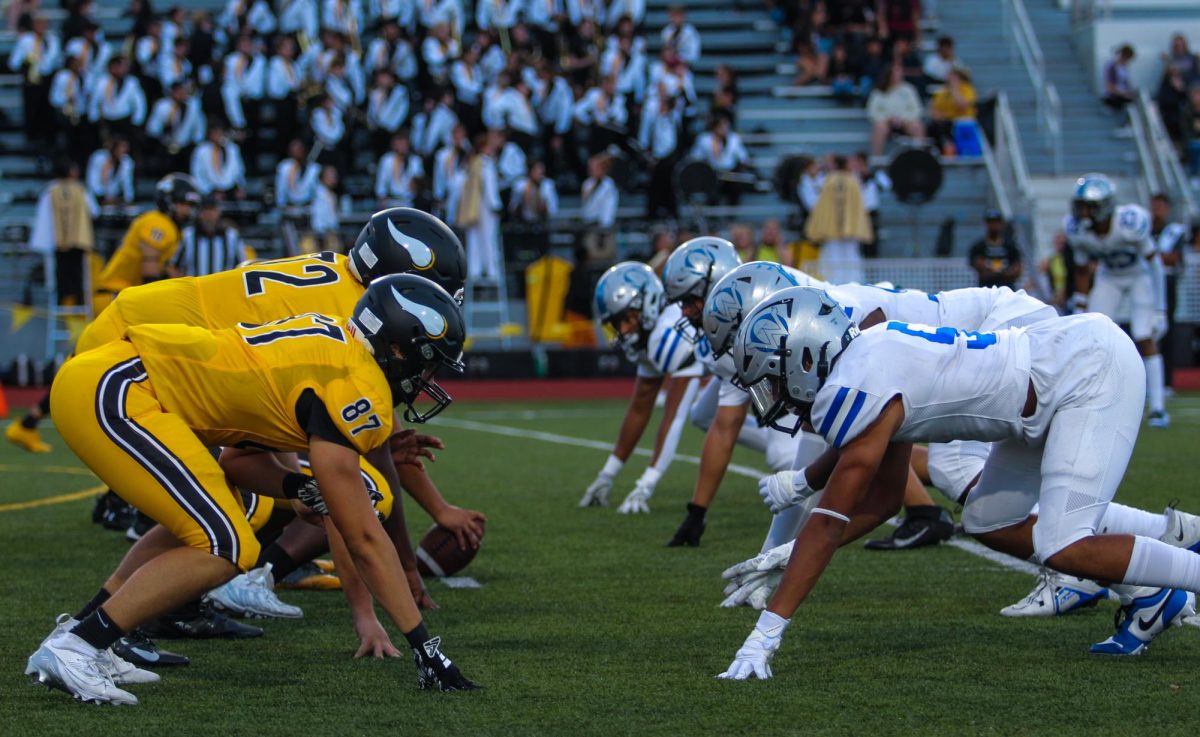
x,y
671,442
315,419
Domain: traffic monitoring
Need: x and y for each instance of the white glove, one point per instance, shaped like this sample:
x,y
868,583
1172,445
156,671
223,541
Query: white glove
x,y
755,590
784,489
754,657
636,501
596,495
774,559
1078,303
1160,325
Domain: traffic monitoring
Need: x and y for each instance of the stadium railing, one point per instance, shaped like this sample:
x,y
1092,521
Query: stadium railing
x,y
1018,31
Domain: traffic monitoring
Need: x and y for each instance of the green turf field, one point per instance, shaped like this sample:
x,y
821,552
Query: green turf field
x,y
587,625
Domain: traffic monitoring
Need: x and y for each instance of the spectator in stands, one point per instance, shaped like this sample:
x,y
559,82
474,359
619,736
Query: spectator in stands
x,y
600,200
808,189
299,17
634,10
436,12
1190,129
174,66
324,212
209,245
19,14
905,56
770,242
506,106
511,164
602,113
329,129
659,135
69,103
245,76
399,174
1170,99
534,197
662,244
146,52
175,125
118,104
217,165
437,51
625,61
431,128
681,36
940,63
900,19
203,51
496,14
296,177
742,238
810,64
725,92
110,174
995,257
449,161
840,225
872,65
873,182
342,16
93,53
853,21
478,210
284,80
387,109
844,75
239,15
893,107
952,103
63,226
670,76
174,25
582,52
723,150
1180,59
468,81
35,56
1118,86
391,50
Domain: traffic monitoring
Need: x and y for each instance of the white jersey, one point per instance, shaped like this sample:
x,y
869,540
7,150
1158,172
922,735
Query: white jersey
x,y
954,384
666,351
975,308
1123,251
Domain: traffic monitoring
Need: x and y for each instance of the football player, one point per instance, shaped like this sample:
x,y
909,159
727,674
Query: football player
x,y
143,256
1115,245
629,299
319,383
1062,399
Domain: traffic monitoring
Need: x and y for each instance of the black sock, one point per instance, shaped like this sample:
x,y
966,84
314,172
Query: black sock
x,y
44,405
29,422
98,630
281,562
923,511
100,597
696,512
418,637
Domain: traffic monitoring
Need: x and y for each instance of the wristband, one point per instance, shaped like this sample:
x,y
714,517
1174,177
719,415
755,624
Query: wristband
x,y
292,483
771,624
612,466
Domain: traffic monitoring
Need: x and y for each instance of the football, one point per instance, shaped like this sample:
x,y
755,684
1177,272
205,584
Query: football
x,y
438,553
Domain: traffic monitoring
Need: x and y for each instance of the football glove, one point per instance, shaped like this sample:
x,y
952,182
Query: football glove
x,y
689,531
435,672
771,560
636,502
1077,303
310,494
754,657
784,489
753,590
596,495
1160,325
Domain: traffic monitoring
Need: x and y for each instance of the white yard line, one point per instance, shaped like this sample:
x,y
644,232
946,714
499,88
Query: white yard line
x,y
966,545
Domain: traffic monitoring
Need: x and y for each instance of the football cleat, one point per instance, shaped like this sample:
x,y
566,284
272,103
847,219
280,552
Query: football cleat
x,y
1056,594
310,576
1145,618
252,594
1183,530
435,672
139,525
205,624
140,650
922,526
64,661
112,512
1160,420
123,672
25,437
325,565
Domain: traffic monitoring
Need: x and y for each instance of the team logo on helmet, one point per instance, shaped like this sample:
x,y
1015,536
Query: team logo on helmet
x,y
726,304
430,319
706,260
768,329
421,254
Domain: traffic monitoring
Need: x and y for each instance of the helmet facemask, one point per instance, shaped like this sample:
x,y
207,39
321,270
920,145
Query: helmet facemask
x,y
417,379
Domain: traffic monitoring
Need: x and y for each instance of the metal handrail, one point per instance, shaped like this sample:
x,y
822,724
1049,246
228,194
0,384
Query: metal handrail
x,y
1019,30
1012,152
1166,161
996,179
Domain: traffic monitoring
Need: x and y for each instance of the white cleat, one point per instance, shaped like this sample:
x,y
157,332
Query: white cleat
x,y
66,662
1160,420
252,594
1183,530
122,671
1056,594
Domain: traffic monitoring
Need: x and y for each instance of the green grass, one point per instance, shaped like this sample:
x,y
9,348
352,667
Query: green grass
x,y
587,625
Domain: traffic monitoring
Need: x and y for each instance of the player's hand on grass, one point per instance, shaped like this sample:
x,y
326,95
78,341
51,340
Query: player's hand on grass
x,y
436,672
374,641
753,659
408,447
784,489
420,594
466,524
597,493
637,500
753,590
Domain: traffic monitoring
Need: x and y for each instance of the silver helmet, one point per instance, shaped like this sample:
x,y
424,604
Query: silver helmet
x,y
1095,199
738,292
693,269
785,348
629,286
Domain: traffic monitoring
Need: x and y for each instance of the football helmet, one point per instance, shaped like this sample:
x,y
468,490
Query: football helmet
x,y
738,292
693,269
401,240
413,327
785,349
175,189
629,287
1095,199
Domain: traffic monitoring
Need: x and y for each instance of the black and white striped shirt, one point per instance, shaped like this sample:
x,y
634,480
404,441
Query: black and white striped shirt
x,y
201,254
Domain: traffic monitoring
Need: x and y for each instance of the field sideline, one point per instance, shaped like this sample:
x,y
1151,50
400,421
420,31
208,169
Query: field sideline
x,y
586,625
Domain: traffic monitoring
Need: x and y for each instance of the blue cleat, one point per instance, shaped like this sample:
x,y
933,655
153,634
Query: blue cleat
x,y
1145,618
1056,594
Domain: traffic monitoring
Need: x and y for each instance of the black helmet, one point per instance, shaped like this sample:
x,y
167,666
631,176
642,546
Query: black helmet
x,y
173,189
413,327
401,240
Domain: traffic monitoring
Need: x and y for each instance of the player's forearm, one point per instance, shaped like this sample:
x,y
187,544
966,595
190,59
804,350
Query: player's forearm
x,y
817,473
397,530
715,455
358,597
422,489
676,388
258,471
636,419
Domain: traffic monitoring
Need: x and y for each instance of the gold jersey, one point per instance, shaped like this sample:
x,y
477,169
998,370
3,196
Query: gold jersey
x,y
270,290
242,386
154,229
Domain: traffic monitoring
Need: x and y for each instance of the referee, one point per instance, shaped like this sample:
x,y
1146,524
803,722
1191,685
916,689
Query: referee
x,y
209,245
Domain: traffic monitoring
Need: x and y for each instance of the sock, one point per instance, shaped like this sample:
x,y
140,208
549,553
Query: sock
x,y
417,637
98,630
29,422
1154,563
281,562
923,511
1120,519
696,512
97,600
43,405
1154,382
